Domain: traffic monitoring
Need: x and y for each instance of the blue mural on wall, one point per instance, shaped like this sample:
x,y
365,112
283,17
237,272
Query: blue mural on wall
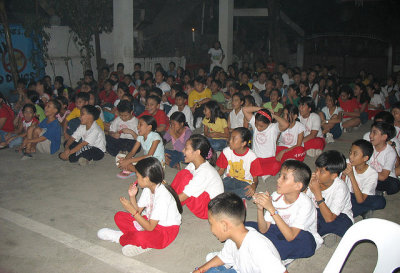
x,y
23,51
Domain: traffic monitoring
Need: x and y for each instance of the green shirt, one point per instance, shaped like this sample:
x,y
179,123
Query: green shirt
x,y
295,101
268,106
40,113
218,97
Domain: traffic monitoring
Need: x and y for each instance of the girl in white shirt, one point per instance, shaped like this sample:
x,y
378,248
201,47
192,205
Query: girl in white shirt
x,y
236,117
265,134
290,143
199,182
151,222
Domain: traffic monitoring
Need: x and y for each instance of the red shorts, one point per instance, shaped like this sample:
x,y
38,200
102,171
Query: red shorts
x,y
298,153
317,143
197,205
160,237
265,166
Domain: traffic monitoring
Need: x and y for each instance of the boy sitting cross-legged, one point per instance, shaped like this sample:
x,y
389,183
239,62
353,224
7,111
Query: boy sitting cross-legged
x,y
290,220
245,250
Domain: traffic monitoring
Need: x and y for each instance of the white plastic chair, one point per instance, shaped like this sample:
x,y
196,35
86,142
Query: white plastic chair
x,y
384,234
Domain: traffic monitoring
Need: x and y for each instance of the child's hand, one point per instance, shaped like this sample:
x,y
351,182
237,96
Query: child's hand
x,y
123,163
133,190
349,170
126,131
127,205
250,190
265,201
280,155
314,184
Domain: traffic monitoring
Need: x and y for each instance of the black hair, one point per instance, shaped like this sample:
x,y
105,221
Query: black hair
x,y
200,79
151,167
385,116
366,147
84,96
146,87
62,99
22,81
59,79
228,204
120,65
124,106
347,89
396,105
96,97
244,88
129,77
300,170
109,81
181,95
333,97
240,96
250,99
56,104
105,68
157,90
245,135
385,128
155,98
32,96
124,87
292,110
215,110
307,101
295,87
88,73
179,117
201,143
150,120
177,87
276,90
92,110
262,118
29,105
218,82
332,161
138,64
129,97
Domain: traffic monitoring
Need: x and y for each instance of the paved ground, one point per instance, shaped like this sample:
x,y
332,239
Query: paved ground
x,y
51,210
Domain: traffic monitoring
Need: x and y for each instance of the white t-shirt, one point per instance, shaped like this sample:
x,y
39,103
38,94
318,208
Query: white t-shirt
x,y
118,124
259,86
397,132
257,254
376,100
328,115
337,198
116,102
285,79
216,55
366,181
160,206
94,136
395,140
288,138
313,122
257,97
146,145
186,111
164,87
236,120
205,179
264,143
384,160
300,214
238,166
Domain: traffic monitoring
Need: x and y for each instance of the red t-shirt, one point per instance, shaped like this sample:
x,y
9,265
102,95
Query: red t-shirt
x,y
131,89
111,98
7,112
349,105
160,116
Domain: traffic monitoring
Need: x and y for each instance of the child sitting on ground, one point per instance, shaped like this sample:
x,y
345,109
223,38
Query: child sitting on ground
x,y
46,137
197,98
237,160
151,143
178,133
362,180
331,116
330,194
292,96
151,222
245,250
123,130
313,140
88,142
199,182
265,134
290,219
181,106
274,105
236,117
215,126
351,111
107,96
153,109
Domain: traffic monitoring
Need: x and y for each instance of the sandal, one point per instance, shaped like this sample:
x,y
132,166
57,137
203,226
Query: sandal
x,y
3,147
125,174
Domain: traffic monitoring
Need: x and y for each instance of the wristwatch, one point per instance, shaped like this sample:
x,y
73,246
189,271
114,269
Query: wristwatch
x,y
320,201
275,212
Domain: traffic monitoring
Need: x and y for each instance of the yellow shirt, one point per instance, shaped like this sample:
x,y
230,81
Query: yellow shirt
x,y
219,125
76,113
196,96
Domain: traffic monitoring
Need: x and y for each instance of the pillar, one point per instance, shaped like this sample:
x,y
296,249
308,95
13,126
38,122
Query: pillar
x,y
123,34
225,30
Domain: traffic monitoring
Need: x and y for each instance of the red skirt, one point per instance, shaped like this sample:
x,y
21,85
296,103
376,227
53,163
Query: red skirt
x,y
265,166
298,153
197,205
317,143
160,237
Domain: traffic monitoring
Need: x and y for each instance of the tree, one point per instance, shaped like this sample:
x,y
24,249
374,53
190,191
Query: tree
x,y
86,19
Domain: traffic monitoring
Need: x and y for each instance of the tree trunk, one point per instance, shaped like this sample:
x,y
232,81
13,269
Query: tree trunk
x,y
10,49
87,60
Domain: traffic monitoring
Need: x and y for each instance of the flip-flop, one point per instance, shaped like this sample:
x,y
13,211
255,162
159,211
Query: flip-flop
x,y
3,147
125,174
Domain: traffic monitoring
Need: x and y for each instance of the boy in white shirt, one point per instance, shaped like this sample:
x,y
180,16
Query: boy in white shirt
x,y
362,180
245,250
290,220
88,142
181,106
330,194
123,130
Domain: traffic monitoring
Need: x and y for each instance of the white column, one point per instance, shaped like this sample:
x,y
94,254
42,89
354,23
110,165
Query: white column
x,y
123,34
225,30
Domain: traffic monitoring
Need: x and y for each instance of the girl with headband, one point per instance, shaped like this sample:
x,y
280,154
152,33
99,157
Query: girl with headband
x,y
199,182
265,134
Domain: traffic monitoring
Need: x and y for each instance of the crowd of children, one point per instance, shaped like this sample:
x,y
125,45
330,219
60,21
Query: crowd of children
x,y
252,125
